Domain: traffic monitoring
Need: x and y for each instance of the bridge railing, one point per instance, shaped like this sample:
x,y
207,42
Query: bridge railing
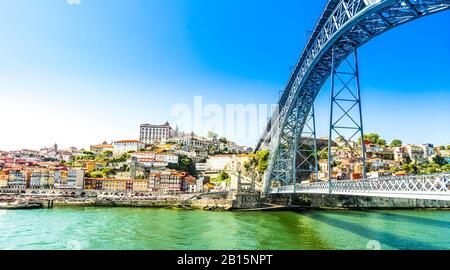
x,y
414,185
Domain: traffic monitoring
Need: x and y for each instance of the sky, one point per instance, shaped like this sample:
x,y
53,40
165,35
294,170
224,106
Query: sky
x,y
81,72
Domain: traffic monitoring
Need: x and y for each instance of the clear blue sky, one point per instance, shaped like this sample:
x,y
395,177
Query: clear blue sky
x,y
81,74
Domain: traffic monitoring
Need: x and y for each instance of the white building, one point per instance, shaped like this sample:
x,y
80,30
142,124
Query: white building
x,y
415,153
192,141
158,157
219,163
153,134
428,150
75,178
201,167
126,146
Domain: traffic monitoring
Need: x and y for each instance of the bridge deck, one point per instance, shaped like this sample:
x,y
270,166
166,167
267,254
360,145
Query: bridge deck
x,y
430,187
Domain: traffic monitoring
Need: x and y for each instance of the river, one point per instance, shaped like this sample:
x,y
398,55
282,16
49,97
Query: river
x,y
150,229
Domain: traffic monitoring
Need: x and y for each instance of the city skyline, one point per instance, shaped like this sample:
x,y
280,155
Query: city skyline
x,y
77,79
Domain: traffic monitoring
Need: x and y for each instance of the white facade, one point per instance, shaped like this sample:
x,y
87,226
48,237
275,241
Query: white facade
x,y
192,141
153,134
165,158
219,163
121,147
75,178
201,167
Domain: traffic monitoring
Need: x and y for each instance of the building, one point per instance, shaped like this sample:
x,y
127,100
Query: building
x,y
219,163
121,147
100,148
428,150
238,161
192,141
166,181
416,153
75,179
201,167
190,184
44,179
18,179
154,134
157,157
116,185
4,179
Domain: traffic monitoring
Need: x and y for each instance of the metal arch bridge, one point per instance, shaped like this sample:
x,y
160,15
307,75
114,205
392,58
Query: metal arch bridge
x,y
344,26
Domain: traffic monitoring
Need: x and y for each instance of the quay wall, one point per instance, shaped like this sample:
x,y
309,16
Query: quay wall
x,y
330,201
203,204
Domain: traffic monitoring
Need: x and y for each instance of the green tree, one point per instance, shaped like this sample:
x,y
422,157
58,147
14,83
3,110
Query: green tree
x,y
381,142
223,140
448,147
263,160
185,164
372,137
212,135
439,160
396,143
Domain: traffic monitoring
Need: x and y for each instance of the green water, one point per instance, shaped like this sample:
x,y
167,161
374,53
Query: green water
x,y
132,228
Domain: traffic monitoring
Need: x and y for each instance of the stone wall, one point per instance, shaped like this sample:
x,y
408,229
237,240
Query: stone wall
x,y
318,201
246,200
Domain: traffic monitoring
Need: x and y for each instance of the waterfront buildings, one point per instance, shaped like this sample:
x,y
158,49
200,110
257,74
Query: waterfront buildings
x,y
125,146
3,180
18,179
75,179
116,185
166,181
154,134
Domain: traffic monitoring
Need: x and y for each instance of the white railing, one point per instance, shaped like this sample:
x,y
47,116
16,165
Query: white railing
x,y
435,187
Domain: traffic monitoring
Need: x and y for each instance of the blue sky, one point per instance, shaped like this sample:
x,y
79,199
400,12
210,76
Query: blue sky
x,y
81,74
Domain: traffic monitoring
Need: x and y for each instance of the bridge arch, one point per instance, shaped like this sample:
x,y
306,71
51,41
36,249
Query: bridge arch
x,y
343,26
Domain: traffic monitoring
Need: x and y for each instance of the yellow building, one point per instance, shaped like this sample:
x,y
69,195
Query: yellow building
x,y
3,181
116,185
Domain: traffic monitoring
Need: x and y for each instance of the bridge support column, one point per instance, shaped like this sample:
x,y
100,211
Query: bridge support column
x,y
306,165
346,122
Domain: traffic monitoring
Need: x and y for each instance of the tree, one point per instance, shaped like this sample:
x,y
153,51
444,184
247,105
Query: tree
x,y
372,137
396,143
263,160
212,135
185,164
223,140
381,142
448,147
439,160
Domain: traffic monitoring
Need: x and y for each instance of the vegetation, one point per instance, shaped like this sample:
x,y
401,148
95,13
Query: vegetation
x,y
222,177
257,164
185,164
396,143
212,135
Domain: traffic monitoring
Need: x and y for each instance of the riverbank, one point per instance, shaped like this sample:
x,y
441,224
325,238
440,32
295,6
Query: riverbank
x,y
216,205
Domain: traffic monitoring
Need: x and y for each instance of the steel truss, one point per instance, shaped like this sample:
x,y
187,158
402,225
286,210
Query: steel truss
x,y
345,113
344,24
432,187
